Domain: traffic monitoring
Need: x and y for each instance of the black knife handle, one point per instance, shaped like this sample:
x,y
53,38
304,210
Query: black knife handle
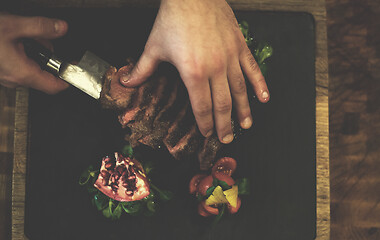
x,y
41,55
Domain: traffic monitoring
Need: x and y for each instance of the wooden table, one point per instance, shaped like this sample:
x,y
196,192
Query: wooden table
x,y
316,8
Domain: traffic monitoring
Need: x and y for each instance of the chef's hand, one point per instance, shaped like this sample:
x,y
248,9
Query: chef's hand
x,y
203,40
16,69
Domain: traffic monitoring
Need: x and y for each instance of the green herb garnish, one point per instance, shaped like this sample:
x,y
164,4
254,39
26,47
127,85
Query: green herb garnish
x,y
113,209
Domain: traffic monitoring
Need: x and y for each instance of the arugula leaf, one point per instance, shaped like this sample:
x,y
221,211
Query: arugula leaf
x,y
100,201
148,167
209,191
215,182
131,207
107,212
243,186
150,196
262,52
84,178
244,28
165,195
117,212
127,150
151,205
224,185
86,175
263,68
219,216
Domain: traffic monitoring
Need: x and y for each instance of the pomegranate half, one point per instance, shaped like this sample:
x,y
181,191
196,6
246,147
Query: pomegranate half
x,y
122,179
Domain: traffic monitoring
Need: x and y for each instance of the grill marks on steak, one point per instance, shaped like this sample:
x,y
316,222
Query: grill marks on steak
x,y
158,113
138,126
159,127
178,128
190,143
178,100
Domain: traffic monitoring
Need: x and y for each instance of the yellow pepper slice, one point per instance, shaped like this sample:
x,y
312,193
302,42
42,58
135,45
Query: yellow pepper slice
x,y
219,196
231,195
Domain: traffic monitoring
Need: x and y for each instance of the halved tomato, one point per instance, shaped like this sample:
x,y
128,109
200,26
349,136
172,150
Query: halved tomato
x,y
202,211
194,182
225,165
222,177
209,209
205,184
233,210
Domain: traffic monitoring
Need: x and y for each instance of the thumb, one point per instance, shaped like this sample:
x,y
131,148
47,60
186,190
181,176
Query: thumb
x,y
143,69
37,27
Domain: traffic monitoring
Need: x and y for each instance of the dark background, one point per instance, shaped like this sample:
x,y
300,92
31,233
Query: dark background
x,y
354,73
70,131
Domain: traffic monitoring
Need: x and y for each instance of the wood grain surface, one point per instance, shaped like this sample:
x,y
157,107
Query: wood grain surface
x,y
316,8
7,114
354,60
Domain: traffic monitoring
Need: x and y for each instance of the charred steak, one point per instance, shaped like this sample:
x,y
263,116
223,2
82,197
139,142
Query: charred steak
x,y
158,113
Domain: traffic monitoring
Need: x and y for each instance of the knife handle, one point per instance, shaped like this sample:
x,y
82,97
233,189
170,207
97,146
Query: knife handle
x,y
43,56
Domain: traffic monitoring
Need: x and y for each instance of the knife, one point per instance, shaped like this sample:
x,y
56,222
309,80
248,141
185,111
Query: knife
x,y
87,75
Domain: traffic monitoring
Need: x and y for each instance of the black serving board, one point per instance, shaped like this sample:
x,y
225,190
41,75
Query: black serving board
x,y
69,131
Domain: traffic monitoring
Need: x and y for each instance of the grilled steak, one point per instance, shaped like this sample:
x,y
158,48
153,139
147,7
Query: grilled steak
x,y
158,113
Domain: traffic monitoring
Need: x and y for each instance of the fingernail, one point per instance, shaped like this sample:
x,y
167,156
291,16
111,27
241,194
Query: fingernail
x,y
125,78
228,138
58,26
247,123
265,95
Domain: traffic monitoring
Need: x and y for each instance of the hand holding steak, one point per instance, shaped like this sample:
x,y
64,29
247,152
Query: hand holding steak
x,y
203,40
158,113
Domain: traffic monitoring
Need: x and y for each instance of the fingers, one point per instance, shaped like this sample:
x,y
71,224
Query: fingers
x,y
255,77
239,95
16,69
47,83
222,102
35,27
31,75
143,69
42,80
201,102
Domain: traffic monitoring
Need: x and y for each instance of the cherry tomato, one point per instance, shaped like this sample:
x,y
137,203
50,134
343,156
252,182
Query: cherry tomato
x,y
194,182
205,184
225,165
202,211
234,210
222,177
209,209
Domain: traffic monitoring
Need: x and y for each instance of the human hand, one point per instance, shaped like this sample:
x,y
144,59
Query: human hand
x,y
16,69
203,40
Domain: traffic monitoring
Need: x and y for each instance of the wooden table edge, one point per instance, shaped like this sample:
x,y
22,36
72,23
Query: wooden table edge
x,y
318,11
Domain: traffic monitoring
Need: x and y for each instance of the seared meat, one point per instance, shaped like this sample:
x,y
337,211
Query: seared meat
x,y
159,113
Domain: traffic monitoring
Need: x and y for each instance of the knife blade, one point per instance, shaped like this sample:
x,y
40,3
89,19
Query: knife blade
x,y
87,75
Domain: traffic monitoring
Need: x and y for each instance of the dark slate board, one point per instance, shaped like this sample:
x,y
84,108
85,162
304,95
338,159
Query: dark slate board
x,y
69,131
